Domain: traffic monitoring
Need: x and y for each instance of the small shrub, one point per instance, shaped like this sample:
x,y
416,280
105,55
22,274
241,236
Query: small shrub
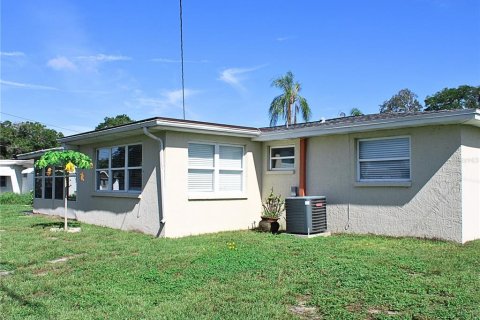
x,y
14,198
273,206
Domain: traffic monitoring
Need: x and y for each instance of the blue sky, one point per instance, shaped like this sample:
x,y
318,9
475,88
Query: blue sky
x,y
71,63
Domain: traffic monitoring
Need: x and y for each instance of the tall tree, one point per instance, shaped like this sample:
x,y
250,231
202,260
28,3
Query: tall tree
x,y
356,112
22,137
404,101
463,97
289,103
114,121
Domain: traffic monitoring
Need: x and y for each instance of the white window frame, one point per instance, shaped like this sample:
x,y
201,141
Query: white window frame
x,y
270,158
216,193
358,160
125,169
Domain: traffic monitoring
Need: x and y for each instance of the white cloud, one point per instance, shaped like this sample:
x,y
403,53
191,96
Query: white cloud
x,y
26,85
281,39
103,58
234,76
12,54
61,63
88,63
168,99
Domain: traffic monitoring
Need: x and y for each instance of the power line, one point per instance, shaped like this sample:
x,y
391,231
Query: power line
x,y
45,124
181,58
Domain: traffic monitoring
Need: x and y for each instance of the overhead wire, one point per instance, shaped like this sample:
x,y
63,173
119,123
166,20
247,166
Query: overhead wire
x,y
45,124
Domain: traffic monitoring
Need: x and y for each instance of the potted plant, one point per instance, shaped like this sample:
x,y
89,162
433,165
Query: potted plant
x,y
272,210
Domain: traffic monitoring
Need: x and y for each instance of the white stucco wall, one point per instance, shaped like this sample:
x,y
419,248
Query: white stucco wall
x,y
470,151
15,182
186,216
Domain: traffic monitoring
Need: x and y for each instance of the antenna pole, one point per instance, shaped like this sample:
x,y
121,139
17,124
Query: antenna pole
x,y
181,58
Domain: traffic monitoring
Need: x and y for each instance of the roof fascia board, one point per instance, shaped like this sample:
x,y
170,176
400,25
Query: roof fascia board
x,y
17,162
166,125
37,154
462,116
207,129
93,134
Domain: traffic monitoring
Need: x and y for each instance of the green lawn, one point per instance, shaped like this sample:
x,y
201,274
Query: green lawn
x,y
125,275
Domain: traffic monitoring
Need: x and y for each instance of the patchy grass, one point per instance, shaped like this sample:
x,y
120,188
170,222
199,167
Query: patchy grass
x,y
104,273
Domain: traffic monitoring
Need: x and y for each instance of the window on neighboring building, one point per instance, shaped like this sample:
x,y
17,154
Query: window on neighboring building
x,y
282,158
385,159
119,168
215,168
3,181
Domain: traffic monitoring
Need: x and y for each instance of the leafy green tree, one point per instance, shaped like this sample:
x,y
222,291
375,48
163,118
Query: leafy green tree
x,y
404,101
22,137
69,160
114,121
463,97
289,103
356,112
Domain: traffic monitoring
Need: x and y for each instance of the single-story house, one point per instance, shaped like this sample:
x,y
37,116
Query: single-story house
x,y
16,176
408,174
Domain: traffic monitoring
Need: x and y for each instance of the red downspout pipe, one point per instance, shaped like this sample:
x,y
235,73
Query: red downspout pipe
x,y
302,184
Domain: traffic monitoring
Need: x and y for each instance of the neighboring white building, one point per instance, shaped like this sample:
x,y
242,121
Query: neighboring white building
x,y
16,176
411,174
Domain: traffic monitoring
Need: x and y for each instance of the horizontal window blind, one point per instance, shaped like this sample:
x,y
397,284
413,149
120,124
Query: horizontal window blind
x,y
230,180
215,168
200,180
230,157
388,148
384,159
200,155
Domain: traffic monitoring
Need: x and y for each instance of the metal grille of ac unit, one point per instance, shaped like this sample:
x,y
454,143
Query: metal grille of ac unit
x,y
306,215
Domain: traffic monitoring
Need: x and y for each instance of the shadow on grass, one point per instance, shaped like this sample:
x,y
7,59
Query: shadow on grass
x,y
56,224
24,302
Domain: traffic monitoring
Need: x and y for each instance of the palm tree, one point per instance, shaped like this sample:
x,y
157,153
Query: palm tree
x,y
289,103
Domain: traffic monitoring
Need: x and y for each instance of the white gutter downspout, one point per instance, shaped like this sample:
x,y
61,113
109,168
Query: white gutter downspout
x,y
162,171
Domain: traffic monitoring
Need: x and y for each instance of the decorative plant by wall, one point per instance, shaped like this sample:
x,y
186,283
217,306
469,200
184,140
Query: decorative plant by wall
x,y
69,160
273,206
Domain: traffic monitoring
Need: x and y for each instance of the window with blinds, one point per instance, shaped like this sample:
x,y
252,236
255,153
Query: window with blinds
x,y
119,168
215,168
386,159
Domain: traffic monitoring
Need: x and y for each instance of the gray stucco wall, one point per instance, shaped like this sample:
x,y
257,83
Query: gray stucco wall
x,y
431,206
470,183
126,211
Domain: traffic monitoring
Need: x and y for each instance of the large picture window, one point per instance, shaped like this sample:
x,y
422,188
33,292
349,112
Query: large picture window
x,y
282,158
119,168
215,168
385,159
